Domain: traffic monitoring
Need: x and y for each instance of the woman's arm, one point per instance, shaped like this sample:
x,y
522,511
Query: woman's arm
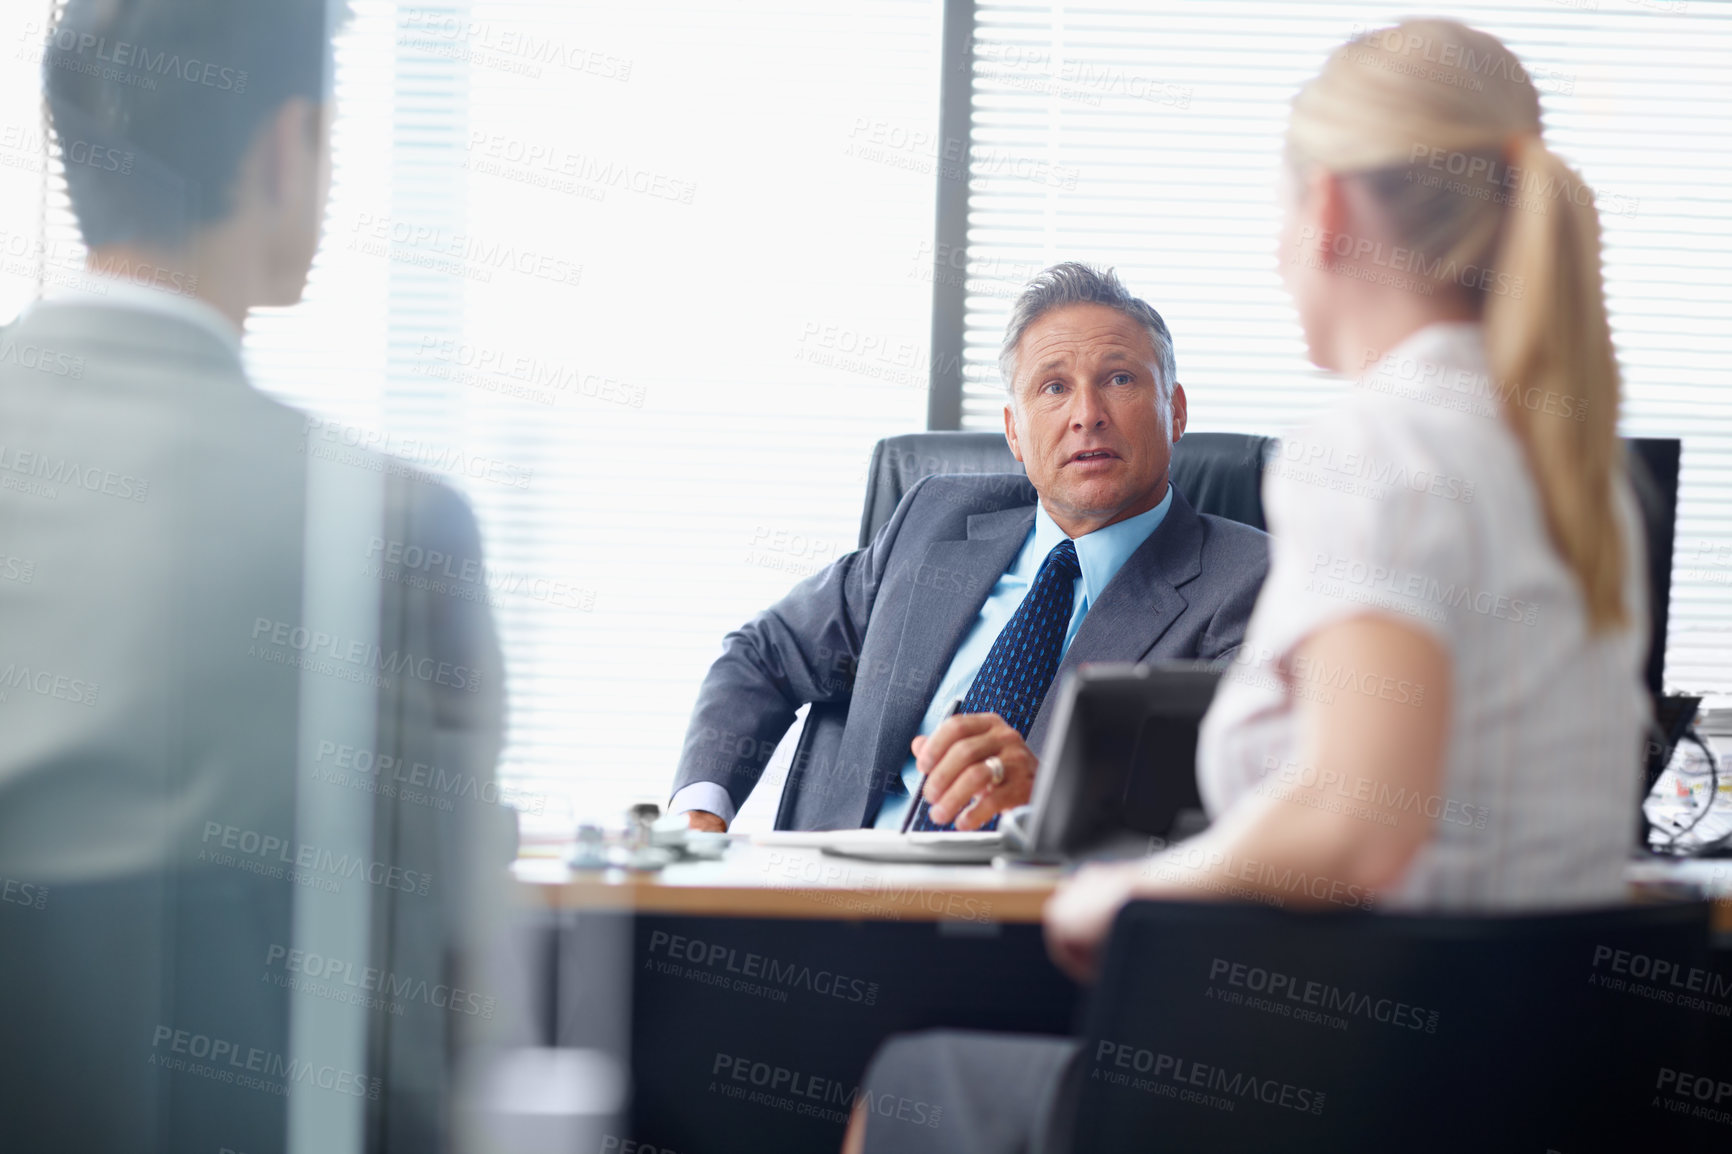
x,y
1346,817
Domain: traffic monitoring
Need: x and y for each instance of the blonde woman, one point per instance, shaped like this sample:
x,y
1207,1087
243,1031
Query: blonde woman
x,y
1439,701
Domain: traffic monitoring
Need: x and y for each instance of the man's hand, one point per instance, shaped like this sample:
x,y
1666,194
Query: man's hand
x,y
954,762
708,822
1080,914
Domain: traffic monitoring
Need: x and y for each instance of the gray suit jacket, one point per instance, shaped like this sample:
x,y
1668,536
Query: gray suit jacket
x,y
879,627
154,542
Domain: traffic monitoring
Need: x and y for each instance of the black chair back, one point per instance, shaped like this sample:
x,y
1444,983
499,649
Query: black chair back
x,y
1654,464
1241,1027
1219,473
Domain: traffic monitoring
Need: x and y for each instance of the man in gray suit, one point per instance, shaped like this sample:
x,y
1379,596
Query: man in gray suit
x,y
218,672
983,591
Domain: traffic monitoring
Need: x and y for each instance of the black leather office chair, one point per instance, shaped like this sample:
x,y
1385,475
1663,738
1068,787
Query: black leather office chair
x,y
1219,473
1240,1027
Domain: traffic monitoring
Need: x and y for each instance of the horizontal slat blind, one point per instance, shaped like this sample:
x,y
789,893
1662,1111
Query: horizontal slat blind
x,y
30,176
748,321
1147,135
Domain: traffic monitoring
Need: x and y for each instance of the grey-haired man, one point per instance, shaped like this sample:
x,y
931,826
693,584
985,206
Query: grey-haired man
x,y
985,590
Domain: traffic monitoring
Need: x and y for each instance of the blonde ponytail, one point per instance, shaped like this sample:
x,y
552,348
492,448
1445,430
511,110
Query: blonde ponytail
x,y
1391,101
1549,338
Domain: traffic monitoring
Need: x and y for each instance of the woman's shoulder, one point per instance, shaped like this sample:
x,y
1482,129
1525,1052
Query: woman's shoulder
x,y
1372,451
1433,391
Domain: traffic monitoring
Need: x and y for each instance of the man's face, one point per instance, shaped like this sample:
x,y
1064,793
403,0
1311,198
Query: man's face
x,y
1087,418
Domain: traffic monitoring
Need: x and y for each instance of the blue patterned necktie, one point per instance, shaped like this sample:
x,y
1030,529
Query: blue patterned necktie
x,y
1013,680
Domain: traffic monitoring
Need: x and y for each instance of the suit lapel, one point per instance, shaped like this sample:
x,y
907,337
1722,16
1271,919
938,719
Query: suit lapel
x,y
1138,605
946,591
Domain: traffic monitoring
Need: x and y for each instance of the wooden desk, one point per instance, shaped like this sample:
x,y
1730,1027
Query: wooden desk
x,y
763,881
1713,878
786,958
757,881
783,956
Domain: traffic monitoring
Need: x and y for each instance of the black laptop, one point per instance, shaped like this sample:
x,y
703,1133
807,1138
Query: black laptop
x,y
1119,768
1121,764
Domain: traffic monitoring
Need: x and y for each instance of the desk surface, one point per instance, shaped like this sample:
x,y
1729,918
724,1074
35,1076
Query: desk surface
x,y
799,882
759,881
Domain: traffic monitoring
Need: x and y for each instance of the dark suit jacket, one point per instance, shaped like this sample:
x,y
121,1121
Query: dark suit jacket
x,y
159,508
879,628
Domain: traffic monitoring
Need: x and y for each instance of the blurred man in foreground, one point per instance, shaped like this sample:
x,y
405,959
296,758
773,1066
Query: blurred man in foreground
x,y
210,685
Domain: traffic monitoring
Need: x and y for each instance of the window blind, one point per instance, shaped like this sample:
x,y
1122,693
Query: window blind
x,y
644,281
26,170
1147,135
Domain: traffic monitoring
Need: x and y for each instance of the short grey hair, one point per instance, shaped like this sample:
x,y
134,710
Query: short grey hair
x,y
1073,283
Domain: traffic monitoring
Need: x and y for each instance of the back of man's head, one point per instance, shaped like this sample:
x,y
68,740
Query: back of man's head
x,y
156,102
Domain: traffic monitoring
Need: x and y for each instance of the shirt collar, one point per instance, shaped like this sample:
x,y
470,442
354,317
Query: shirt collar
x,y
1104,552
99,289
1426,352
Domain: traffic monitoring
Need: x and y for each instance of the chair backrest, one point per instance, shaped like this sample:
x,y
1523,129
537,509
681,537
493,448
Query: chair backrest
x,y
1219,473
1654,465
1242,1027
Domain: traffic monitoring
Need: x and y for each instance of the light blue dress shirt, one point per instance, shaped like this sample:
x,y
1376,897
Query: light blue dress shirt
x,y
1101,555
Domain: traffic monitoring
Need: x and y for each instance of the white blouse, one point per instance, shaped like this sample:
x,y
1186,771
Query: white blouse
x,y
1411,498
